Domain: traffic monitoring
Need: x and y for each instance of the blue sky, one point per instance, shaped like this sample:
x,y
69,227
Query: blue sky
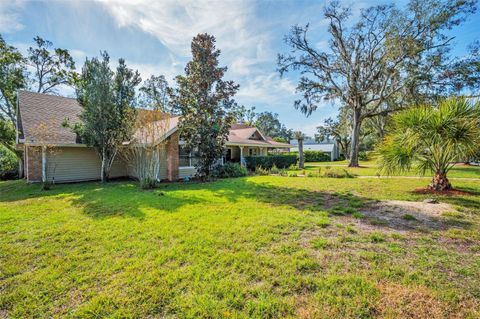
x,y
154,37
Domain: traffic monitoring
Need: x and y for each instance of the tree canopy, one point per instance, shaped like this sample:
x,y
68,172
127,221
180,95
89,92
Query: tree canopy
x,y
52,66
107,98
389,53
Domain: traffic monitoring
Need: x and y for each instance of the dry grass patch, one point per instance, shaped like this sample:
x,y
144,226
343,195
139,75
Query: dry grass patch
x,y
417,302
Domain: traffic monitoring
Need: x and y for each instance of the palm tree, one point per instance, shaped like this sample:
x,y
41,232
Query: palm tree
x,y
432,139
299,136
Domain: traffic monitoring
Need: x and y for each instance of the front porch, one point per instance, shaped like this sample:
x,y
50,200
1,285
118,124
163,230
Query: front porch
x,y
237,153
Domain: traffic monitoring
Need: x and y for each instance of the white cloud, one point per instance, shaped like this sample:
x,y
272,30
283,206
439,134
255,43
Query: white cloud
x,y
267,88
9,17
174,23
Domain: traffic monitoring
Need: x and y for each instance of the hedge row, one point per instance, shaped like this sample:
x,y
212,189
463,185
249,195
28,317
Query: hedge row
x,y
315,156
280,161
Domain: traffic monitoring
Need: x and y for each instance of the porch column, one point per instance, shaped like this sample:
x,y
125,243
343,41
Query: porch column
x,y
44,163
242,159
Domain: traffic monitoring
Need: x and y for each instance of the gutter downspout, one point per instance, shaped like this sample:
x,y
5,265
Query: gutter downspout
x,y
44,164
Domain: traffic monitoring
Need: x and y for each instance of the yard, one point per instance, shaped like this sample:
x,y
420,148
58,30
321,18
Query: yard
x,y
254,247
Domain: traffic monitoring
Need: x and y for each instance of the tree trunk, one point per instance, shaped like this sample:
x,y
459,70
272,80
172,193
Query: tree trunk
x,y
301,161
102,173
440,182
355,144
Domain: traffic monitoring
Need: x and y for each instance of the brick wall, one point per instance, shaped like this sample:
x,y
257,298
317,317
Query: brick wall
x,y
34,164
172,157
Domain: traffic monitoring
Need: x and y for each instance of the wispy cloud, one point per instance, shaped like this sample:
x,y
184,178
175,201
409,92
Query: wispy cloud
x,y
174,23
9,16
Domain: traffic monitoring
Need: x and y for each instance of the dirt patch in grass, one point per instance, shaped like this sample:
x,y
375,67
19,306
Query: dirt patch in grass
x,y
451,192
398,301
407,215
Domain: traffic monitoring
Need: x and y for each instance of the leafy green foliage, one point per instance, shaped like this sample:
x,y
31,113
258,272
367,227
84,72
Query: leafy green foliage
x,y
363,156
432,138
387,58
12,78
108,115
8,163
154,93
228,170
52,67
316,156
280,161
205,103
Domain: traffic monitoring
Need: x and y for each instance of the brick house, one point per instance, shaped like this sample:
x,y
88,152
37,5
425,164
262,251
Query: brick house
x,y
54,152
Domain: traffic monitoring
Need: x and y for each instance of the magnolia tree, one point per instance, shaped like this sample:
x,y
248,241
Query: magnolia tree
x,y
205,102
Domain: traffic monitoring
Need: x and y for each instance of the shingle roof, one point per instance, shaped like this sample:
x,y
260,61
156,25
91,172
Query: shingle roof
x,y
42,116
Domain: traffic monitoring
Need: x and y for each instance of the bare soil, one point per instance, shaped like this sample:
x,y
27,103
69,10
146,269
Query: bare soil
x,y
407,215
451,192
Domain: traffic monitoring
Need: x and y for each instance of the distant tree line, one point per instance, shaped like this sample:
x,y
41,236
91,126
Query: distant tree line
x,y
386,59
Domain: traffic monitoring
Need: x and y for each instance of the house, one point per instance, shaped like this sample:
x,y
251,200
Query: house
x,y
329,147
53,152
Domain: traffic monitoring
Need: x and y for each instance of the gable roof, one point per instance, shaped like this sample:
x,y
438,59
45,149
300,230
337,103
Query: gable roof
x,y
41,117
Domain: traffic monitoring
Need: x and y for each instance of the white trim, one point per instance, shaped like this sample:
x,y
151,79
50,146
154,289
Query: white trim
x,y
56,145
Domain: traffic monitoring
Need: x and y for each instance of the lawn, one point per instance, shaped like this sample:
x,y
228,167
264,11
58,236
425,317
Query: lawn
x,y
370,168
254,247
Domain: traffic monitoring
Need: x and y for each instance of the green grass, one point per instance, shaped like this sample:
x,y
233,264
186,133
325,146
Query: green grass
x,y
370,168
254,247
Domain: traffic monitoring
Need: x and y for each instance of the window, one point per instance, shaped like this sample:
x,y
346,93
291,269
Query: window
x,y
186,158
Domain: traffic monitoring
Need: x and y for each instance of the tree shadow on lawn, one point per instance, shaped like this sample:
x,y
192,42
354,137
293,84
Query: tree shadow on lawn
x,y
126,199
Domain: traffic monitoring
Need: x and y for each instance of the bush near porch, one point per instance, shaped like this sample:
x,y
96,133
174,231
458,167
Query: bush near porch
x,y
315,156
280,161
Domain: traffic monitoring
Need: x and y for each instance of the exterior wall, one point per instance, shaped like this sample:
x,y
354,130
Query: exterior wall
x,y
163,166
71,164
33,164
186,172
173,158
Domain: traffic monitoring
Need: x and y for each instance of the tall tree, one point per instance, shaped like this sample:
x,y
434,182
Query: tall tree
x,y
154,93
52,66
388,52
338,130
12,79
245,115
269,124
205,102
108,115
432,138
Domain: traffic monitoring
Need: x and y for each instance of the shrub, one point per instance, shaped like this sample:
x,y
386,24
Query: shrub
x,y
8,164
314,156
230,170
46,185
343,173
280,161
363,156
261,171
274,169
148,183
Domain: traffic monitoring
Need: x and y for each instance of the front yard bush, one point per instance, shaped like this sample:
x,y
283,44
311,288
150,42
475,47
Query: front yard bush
x,y
314,156
230,170
280,161
8,164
